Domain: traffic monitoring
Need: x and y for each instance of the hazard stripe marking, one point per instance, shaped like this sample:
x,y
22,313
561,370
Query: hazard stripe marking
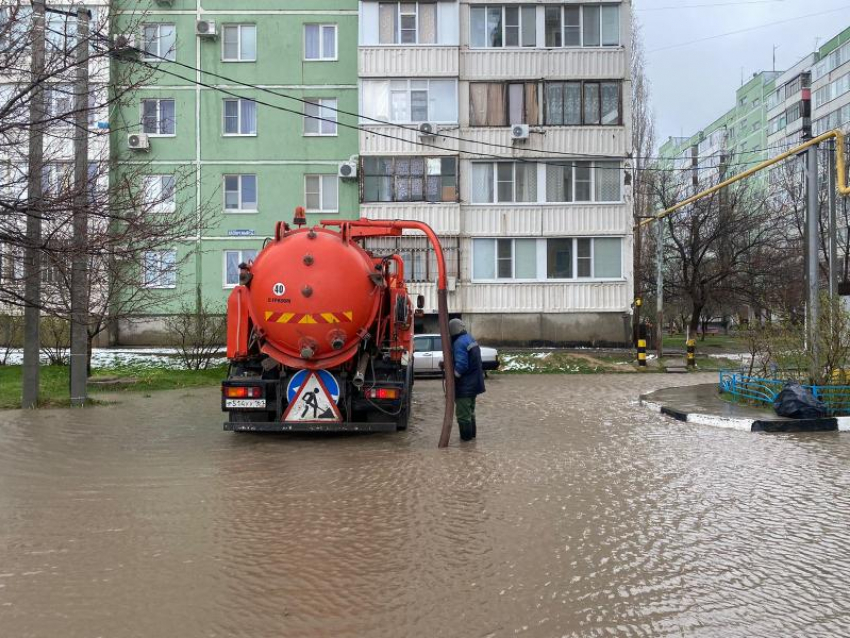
x,y
307,319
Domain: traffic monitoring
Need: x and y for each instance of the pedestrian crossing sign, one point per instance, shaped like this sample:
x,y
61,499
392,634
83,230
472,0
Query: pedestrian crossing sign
x,y
313,403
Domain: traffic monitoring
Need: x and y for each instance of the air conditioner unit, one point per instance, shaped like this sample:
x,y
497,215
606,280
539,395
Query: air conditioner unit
x,y
138,142
347,170
125,43
519,132
427,129
205,28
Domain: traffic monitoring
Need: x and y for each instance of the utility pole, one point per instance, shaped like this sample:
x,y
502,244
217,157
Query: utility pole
x,y
32,253
833,222
79,263
638,298
812,254
659,277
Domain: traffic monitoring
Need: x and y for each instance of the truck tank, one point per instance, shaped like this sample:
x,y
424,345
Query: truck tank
x,y
312,295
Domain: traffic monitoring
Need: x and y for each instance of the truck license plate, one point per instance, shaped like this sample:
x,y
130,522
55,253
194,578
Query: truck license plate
x,y
245,403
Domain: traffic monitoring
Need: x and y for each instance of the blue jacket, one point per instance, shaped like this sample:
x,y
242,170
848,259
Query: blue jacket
x,y
469,373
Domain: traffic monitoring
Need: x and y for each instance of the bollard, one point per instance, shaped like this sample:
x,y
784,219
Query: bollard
x,y
692,355
641,353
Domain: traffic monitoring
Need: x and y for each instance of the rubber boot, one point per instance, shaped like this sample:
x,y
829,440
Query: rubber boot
x,y
467,431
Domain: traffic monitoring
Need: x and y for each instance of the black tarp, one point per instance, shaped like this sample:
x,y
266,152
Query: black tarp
x,y
797,402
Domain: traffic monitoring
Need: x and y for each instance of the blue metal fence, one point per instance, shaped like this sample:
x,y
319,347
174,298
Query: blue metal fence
x,y
741,386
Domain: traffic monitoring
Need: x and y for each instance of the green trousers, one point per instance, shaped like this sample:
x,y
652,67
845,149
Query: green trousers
x,y
465,412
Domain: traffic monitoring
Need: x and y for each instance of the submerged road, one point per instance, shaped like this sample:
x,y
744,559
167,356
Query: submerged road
x,y
576,513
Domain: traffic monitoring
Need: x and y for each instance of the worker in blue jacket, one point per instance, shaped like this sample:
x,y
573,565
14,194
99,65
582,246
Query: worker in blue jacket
x,y
469,377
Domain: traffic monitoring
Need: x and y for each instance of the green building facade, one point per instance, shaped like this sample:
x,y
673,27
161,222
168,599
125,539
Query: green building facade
x,y
255,148
740,134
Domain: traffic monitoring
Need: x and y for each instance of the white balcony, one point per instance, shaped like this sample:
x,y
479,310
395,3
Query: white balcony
x,y
408,61
552,64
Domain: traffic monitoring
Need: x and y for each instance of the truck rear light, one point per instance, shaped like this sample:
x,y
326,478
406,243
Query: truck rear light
x,y
243,392
382,393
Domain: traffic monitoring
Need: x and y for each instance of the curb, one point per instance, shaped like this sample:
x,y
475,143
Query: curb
x,y
827,424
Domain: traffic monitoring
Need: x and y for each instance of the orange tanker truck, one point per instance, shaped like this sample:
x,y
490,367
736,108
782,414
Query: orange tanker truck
x,y
319,332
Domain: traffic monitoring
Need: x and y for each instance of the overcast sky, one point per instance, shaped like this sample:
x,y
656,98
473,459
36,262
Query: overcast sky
x,y
694,83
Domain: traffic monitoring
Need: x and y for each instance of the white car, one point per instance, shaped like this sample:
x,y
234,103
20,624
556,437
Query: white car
x,y
428,355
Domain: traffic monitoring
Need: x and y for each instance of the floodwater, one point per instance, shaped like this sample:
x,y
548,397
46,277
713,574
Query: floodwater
x,y
576,513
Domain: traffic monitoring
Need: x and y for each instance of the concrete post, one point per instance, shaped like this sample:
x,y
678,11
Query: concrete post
x,y
79,264
35,205
812,255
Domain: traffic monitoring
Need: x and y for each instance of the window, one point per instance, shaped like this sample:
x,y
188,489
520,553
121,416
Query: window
x,y
60,103
159,42
232,259
320,116
407,22
320,42
582,25
583,182
239,43
158,117
582,103
240,193
502,26
409,101
321,193
240,117
160,269
558,258
503,104
159,193
504,259
410,179
504,182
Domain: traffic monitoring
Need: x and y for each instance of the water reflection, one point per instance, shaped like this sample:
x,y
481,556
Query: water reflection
x,y
576,512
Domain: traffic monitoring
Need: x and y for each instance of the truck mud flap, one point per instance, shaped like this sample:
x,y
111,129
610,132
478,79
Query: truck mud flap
x,y
294,426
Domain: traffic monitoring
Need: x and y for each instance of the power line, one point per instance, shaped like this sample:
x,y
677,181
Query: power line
x,y
300,114
709,4
748,29
358,115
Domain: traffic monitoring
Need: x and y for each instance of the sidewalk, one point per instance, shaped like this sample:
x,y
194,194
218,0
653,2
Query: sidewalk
x,y
702,404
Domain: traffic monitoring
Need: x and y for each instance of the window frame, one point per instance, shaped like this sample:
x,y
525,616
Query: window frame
x,y
241,252
496,181
322,177
239,191
504,26
322,57
239,117
147,283
239,26
582,102
425,175
541,261
319,102
398,30
159,119
167,56
164,206
562,26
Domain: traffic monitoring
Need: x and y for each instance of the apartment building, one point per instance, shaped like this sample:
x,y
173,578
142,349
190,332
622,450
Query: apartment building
x,y
735,141
249,96
506,127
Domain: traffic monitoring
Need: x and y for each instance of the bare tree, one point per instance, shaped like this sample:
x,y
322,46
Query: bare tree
x,y
643,146
714,246
138,219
